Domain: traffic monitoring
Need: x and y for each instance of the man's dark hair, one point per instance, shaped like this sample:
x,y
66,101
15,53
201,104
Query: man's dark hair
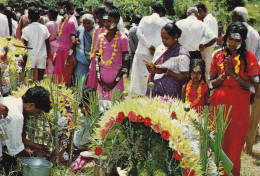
x,y
100,10
53,13
67,4
202,6
79,9
39,96
113,12
158,8
33,14
137,18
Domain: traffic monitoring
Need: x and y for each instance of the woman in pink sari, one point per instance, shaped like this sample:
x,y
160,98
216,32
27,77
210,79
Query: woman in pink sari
x,y
64,56
53,30
92,77
111,61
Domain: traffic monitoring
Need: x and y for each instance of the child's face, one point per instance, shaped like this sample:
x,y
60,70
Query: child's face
x,y
196,74
111,23
88,24
168,40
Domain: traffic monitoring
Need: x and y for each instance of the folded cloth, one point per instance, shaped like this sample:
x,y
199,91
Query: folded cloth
x,y
80,162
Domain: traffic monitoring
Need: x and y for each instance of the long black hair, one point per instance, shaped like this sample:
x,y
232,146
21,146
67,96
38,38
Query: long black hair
x,y
237,27
198,62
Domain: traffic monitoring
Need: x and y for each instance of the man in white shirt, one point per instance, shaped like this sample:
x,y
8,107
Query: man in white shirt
x,y
239,14
212,23
194,32
149,35
4,28
33,102
36,36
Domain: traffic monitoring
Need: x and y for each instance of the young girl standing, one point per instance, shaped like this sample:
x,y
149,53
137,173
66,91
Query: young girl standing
x,y
196,92
111,61
98,15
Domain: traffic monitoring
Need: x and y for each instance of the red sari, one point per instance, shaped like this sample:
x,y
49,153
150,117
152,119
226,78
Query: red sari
x,y
230,93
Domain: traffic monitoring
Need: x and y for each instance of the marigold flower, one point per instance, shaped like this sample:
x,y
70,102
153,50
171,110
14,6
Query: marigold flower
x,y
165,134
189,172
71,124
132,116
177,155
147,121
183,164
107,126
140,119
98,151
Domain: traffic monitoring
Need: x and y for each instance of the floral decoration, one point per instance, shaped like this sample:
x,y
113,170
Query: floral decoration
x,y
187,95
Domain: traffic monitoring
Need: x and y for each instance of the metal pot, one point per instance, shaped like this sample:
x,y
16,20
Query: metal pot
x,y
36,166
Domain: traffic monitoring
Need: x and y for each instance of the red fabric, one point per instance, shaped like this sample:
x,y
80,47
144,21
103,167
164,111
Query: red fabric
x,y
231,94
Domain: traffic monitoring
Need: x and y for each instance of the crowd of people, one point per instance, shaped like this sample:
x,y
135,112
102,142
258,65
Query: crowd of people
x,y
176,56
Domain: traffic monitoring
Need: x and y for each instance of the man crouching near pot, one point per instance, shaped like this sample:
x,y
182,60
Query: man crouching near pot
x,y
12,125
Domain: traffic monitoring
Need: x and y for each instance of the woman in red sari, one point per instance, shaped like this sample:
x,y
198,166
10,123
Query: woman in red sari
x,y
232,75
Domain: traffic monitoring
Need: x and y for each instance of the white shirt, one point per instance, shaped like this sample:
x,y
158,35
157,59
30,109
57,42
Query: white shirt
x,y
252,38
36,34
14,27
14,127
194,33
149,33
4,28
212,23
257,54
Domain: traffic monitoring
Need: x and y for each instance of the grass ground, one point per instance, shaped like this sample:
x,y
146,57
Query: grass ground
x,y
253,8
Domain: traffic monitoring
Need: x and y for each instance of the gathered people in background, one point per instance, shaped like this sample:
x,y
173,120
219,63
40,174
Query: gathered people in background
x,y
232,76
196,35
111,62
133,39
67,37
12,24
98,16
196,91
36,36
53,30
220,36
84,34
149,35
24,21
212,23
4,29
171,69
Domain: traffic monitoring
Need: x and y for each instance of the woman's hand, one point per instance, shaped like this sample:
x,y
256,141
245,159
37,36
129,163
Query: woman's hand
x,y
150,66
158,69
229,67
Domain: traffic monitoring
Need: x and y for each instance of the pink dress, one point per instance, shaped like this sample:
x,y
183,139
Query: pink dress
x,y
194,95
92,77
53,30
108,73
64,45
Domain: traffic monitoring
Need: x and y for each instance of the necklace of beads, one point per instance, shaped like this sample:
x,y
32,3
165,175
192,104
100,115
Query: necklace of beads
x,y
187,95
60,28
110,61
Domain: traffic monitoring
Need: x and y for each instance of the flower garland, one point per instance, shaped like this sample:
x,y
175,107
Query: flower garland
x,y
155,113
60,28
187,95
93,50
108,62
237,66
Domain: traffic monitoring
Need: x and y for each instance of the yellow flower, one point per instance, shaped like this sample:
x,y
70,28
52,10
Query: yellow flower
x,y
71,124
183,164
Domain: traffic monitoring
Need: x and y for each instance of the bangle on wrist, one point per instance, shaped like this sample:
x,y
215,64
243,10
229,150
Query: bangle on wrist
x,y
236,77
221,78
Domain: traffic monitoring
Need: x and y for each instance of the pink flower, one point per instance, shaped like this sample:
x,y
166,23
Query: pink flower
x,y
157,128
103,133
132,116
107,126
112,121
